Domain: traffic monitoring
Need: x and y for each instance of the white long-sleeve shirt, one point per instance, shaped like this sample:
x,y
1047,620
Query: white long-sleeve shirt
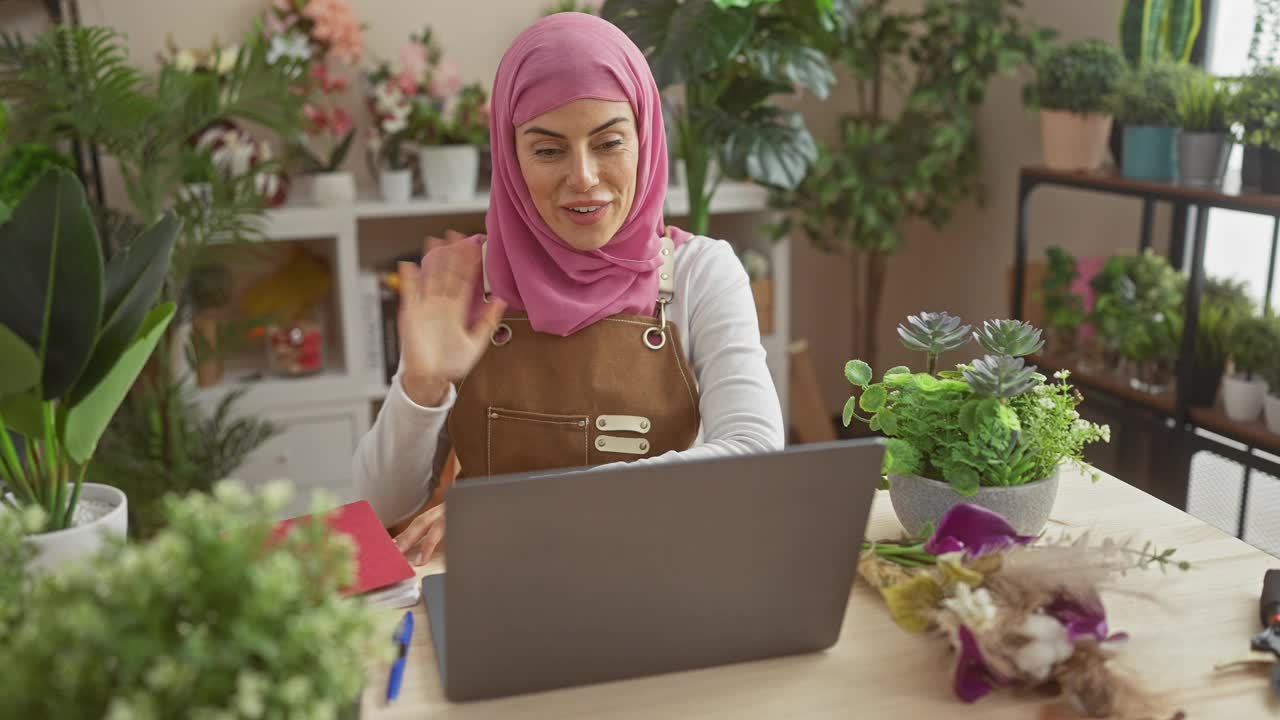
x,y
715,313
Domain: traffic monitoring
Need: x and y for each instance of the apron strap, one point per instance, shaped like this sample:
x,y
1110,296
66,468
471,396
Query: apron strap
x,y
484,271
666,274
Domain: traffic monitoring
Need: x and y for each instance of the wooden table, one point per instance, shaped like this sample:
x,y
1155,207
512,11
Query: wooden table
x,y
878,670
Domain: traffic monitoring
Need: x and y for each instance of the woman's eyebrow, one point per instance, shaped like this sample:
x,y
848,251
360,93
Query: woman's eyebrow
x,y
554,134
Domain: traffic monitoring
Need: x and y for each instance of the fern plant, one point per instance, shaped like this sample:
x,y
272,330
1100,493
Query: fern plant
x,y
1203,103
162,442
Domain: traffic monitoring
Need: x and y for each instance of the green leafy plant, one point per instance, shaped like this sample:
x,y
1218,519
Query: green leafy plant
x,y
20,165
211,618
1257,107
992,422
1254,342
75,336
1078,77
1264,41
1137,309
430,123
75,84
1153,31
1148,95
590,7
1063,308
1223,304
732,57
908,149
1204,103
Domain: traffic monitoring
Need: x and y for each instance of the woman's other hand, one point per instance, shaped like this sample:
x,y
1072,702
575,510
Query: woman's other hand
x,y
437,345
423,537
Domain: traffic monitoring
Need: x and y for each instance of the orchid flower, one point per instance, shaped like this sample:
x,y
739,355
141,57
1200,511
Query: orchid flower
x,y
974,678
973,530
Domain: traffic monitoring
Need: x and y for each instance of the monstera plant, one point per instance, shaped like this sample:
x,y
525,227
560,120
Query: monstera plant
x,y
732,57
74,335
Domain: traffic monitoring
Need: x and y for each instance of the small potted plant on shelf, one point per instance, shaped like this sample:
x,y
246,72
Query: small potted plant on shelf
x,y
1137,313
322,148
71,346
390,101
1257,109
1271,403
1145,103
1255,341
1204,141
213,617
991,432
449,137
1063,307
1072,89
1222,304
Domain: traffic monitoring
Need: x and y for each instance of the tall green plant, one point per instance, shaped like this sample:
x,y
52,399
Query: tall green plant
x,y
1159,30
892,165
1257,107
732,57
1204,103
75,336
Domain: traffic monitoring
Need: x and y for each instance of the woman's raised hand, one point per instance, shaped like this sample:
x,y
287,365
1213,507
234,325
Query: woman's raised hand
x,y
437,343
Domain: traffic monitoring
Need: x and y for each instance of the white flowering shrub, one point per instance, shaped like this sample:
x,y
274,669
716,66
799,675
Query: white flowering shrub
x,y
212,618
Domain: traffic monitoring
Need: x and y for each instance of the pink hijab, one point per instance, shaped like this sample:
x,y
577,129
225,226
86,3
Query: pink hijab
x,y
560,59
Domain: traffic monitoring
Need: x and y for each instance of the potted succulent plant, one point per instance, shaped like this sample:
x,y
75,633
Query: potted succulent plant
x,y
1073,85
1145,103
991,432
1204,141
1255,341
73,338
1063,307
1257,109
213,617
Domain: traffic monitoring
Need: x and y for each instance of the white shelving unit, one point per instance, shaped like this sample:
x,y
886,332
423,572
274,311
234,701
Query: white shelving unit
x,y
325,415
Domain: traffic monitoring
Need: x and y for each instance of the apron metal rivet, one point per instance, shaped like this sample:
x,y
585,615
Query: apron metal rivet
x,y
603,422
666,276
493,416
644,425
600,442
582,423
666,251
644,446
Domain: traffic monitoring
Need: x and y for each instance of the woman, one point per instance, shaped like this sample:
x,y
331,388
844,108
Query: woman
x,y
627,341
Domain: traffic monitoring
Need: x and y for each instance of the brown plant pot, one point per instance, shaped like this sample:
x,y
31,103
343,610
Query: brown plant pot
x,y
1074,141
762,292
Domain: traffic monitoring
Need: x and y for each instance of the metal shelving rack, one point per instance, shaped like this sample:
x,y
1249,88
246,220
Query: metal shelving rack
x,y
1193,428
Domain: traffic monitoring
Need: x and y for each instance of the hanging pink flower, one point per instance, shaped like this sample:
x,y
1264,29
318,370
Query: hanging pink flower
x,y
445,81
335,25
340,121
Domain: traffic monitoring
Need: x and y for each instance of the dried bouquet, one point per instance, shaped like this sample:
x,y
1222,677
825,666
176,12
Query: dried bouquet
x,y
1018,613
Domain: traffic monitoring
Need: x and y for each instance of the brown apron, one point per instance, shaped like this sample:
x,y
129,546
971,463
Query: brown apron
x,y
617,390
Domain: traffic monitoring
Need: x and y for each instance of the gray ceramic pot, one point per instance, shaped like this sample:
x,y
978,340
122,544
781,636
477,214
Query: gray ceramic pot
x,y
1202,158
920,501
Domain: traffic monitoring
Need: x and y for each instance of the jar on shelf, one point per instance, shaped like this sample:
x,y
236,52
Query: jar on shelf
x,y
296,350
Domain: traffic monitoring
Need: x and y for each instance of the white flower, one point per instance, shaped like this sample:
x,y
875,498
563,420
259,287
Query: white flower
x,y
1062,374
294,46
1046,403
1081,426
184,61
1105,432
394,124
227,59
973,607
1047,646
388,98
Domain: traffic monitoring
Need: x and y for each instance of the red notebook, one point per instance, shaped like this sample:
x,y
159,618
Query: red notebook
x,y
379,563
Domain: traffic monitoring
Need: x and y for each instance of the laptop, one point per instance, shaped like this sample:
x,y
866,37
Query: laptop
x,y
590,575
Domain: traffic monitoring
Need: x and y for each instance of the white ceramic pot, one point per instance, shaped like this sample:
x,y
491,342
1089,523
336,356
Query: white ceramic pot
x,y
333,188
1242,399
396,185
61,547
1271,410
450,172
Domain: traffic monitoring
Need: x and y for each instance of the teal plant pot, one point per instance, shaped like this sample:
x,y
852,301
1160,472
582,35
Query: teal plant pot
x,y
1150,153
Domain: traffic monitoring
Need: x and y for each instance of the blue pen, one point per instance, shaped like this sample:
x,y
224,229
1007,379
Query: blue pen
x,y
402,635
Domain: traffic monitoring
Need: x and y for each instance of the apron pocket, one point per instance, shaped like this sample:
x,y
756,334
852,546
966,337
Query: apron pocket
x,y
524,441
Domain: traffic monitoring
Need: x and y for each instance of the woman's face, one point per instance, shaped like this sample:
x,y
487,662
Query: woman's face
x,y
579,162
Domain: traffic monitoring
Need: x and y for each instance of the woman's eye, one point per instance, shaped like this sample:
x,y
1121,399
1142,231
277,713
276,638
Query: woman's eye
x,y
612,144
546,152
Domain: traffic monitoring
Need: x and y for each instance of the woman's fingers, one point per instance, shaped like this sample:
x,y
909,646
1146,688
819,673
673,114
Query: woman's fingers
x,y
409,282
422,526
488,321
431,544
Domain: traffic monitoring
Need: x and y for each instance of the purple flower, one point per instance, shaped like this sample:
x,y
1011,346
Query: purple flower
x,y
974,530
1082,617
973,677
